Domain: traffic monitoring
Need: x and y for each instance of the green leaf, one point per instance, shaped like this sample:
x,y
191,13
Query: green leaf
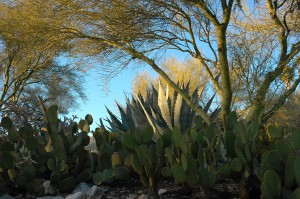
x,y
28,171
116,160
178,173
295,140
51,164
144,155
6,123
282,148
166,172
147,134
89,119
224,170
289,170
7,160
184,162
129,141
273,160
52,113
253,129
67,184
84,126
236,165
176,137
108,176
122,173
295,194
136,165
12,134
297,170
271,184
12,173
232,120
97,178
275,132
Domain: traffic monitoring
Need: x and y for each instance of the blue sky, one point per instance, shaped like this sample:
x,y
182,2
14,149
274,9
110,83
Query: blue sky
x,y
118,86
97,98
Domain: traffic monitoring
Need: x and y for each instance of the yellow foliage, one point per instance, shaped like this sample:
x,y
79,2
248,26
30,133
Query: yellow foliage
x,y
184,72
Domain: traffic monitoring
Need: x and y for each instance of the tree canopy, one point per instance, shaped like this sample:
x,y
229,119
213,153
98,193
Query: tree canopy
x,y
257,41
181,72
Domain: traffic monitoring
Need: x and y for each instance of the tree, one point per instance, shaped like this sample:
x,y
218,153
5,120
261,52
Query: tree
x,y
122,32
28,72
182,72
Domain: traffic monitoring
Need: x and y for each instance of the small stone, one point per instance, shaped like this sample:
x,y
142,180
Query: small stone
x,y
50,197
78,195
161,191
82,187
95,193
143,196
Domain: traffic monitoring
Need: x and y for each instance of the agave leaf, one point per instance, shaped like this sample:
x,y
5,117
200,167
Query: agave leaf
x,y
187,87
138,118
115,121
101,124
177,111
207,106
151,120
126,121
163,105
215,113
154,99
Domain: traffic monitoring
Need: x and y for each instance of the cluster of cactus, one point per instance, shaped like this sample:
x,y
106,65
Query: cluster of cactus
x,y
56,153
193,156
67,156
159,110
265,158
147,156
22,158
113,162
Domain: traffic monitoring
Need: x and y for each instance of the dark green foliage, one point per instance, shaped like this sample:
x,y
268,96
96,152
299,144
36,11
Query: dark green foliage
x,y
271,185
7,160
257,157
147,157
179,173
67,184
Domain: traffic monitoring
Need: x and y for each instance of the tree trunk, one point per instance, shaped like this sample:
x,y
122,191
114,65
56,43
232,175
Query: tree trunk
x,y
224,68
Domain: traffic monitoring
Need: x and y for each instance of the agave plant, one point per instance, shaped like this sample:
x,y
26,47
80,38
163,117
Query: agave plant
x,y
159,110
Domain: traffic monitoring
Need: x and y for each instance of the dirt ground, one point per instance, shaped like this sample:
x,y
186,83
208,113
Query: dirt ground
x,y
168,189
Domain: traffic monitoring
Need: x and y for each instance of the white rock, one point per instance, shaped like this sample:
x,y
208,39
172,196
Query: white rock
x,y
95,192
78,195
82,187
50,197
161,191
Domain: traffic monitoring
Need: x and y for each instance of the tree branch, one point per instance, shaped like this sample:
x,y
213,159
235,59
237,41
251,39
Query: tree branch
x,y
280,101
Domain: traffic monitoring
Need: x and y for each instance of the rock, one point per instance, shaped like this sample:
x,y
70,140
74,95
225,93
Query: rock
x,y
78,195
82,187
161,191
51,197
95,192
6,196
143,196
